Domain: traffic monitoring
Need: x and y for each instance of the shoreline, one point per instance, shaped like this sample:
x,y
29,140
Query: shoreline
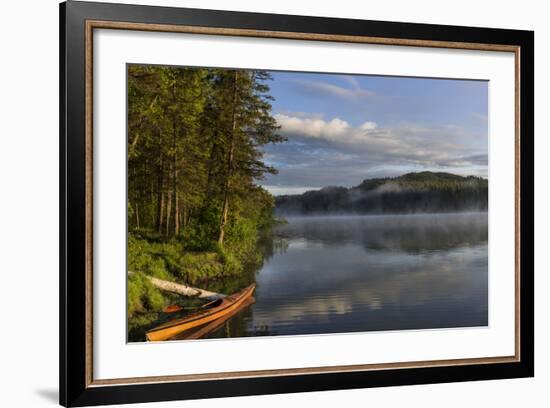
x,y
377,215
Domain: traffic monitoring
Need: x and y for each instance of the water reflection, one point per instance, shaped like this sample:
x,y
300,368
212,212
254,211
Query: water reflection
x,y
411,233
361,273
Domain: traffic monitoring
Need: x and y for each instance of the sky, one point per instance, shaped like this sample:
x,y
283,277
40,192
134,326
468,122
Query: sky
x,y
342,129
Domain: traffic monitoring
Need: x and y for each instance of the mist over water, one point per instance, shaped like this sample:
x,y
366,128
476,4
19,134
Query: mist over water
x,y
412,193
334,274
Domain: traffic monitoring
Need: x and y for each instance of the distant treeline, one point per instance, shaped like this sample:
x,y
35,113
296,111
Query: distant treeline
x,y
410,193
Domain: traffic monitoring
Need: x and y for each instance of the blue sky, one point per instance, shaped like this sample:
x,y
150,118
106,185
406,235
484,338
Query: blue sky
x,y
342,129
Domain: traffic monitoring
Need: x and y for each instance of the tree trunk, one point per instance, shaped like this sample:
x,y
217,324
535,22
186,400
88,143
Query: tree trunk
x,y
161,212
184,216
137,215
176,214
153,195
225,208
188,218
183,290
211,163
160,186
168,212
175,184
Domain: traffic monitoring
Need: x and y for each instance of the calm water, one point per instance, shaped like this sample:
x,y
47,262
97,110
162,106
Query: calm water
x,y
360,273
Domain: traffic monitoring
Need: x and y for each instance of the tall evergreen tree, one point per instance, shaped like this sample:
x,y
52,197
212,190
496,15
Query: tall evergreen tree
x,y
195,148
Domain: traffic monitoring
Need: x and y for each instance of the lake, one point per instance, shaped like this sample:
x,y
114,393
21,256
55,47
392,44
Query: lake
x,y
334,274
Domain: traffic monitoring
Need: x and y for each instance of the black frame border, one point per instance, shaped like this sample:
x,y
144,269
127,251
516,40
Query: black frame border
x,y
72,124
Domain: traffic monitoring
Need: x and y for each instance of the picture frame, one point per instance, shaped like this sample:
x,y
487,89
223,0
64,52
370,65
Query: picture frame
x,y
79,21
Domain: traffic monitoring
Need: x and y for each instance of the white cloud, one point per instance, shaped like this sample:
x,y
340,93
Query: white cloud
x,y
313,127
326,88
300,114
352,81
368,126
480,117
419,145
335,130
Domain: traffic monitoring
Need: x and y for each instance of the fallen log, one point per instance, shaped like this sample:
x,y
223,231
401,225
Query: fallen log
x,y
182,289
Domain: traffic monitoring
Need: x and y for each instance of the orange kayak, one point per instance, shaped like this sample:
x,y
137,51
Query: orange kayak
x,y
208,328
214,311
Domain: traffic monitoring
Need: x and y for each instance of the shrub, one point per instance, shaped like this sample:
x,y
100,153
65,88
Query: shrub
x,y
142,295
201,234
231,265
144,257
200,266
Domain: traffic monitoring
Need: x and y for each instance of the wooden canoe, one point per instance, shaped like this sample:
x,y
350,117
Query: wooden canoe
x,y
213,311
199,332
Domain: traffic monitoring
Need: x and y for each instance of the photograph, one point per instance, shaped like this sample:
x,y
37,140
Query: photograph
x,y
278,203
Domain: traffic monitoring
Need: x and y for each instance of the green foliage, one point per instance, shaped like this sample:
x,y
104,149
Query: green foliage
x,y
146,257
202,266
195,212
427,180
172,260
200,235
242,237
195,140
232,262
142,295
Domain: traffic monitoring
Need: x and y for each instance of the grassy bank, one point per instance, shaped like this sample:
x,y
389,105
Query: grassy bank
x,y
185,259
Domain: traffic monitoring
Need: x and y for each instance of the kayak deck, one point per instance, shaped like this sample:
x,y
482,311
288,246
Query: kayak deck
x,y
212,311
201,331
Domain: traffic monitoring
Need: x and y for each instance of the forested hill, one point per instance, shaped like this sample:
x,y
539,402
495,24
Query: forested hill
x,y
413,192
